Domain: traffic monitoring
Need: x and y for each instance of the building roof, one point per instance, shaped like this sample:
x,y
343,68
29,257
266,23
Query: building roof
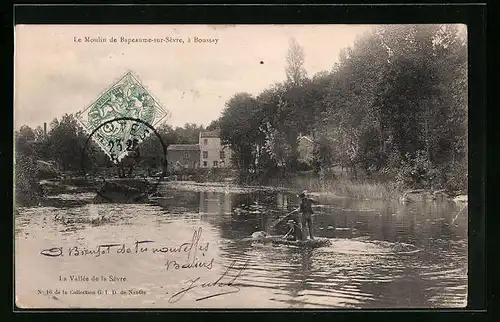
x,y
183,147
210,134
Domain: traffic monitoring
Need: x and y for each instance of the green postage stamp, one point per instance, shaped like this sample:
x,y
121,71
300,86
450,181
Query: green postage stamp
x,y
103,119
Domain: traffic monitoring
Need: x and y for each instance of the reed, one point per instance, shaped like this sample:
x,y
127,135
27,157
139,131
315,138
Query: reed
x,y
359,189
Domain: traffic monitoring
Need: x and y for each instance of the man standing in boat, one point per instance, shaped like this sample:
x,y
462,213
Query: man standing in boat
x,y
305,210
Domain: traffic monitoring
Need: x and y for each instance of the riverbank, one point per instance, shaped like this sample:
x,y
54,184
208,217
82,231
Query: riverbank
x,y
343,187
226,187
367,189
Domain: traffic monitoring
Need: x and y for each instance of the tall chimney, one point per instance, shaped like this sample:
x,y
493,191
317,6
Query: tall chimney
x,y
45,128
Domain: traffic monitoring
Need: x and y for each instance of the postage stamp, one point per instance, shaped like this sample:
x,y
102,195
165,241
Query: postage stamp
x,y
127,98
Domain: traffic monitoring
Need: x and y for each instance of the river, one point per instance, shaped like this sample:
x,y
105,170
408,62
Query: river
x,y
383,254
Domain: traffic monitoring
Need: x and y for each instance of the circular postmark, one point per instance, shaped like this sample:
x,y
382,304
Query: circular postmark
x,y
120,190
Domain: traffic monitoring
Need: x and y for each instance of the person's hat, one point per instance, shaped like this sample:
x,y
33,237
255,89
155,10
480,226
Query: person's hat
x,y
291,221
302,194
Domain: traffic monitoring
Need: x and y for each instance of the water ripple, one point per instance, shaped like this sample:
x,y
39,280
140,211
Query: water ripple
x,y
383,257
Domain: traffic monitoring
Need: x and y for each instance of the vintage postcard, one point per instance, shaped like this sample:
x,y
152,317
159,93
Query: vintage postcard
x,y
240,166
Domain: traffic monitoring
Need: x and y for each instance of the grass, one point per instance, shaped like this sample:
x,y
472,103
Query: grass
x,y
358,189
341,184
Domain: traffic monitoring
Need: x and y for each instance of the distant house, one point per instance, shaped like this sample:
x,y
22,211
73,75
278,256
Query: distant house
x,y
305,149
213,154
185,156
208,153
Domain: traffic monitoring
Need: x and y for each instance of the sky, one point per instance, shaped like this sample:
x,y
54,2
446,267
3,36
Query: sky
x,y
54,74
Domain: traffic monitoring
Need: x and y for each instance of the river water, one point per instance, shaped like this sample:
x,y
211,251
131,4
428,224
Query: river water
x,y
382,254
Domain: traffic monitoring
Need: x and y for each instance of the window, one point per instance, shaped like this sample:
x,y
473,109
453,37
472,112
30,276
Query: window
x,y
222,155
205,154
216,163
186,155
205,141
204,163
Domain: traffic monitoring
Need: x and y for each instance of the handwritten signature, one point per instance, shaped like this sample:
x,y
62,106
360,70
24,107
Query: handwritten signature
x,y
228,287
140,246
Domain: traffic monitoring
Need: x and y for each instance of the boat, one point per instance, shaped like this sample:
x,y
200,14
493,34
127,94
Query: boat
x,y
112,192
308,243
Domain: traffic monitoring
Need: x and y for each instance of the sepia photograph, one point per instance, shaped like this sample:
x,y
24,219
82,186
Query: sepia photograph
x,y
241,166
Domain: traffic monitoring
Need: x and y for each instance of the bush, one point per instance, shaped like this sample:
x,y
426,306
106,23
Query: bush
x,y
214,175
27,189
415,172
456,176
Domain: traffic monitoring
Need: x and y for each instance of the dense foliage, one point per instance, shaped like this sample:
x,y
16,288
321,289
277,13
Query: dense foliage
x,y
395,104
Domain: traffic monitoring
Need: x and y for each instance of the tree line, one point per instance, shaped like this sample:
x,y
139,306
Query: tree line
x,y
65,140
63,146
393,106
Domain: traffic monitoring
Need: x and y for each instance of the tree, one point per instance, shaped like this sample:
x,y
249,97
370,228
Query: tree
x,y
189,134
240,129
24,140
26,154
65,142
151,149
215,124
394,103
295,72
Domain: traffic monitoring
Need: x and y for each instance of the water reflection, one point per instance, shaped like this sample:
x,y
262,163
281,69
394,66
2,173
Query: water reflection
x,y
383,254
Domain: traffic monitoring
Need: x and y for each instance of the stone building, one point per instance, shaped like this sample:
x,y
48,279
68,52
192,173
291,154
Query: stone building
x,y
185,156
208,153
213,154
305,149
